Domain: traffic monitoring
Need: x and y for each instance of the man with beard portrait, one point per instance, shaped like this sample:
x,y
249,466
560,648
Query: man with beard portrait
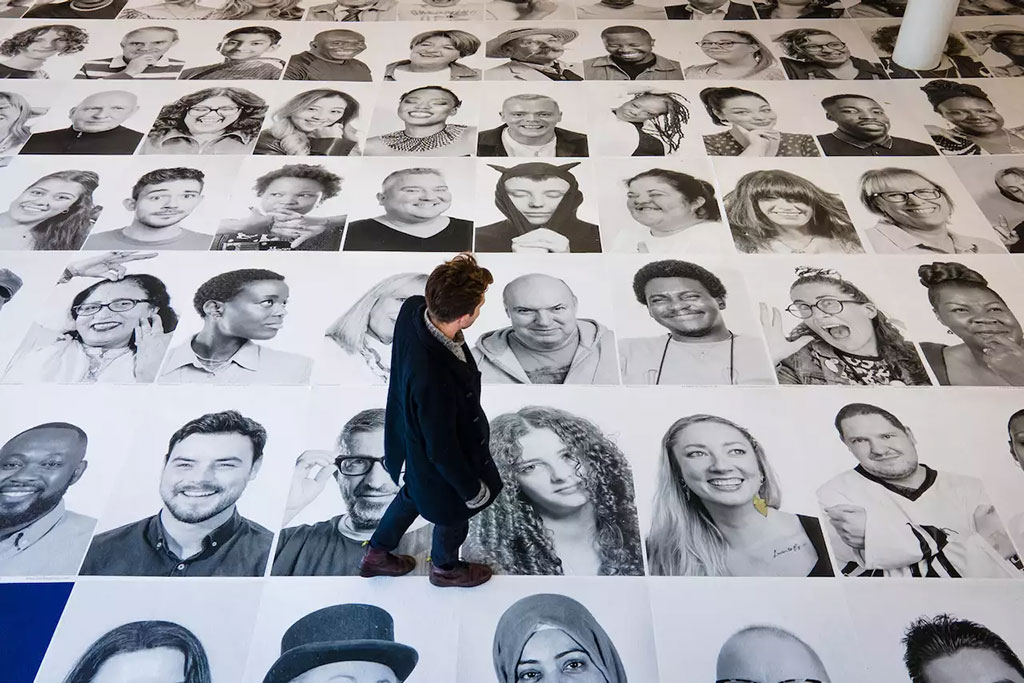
x,y
334,547
38,535
199,531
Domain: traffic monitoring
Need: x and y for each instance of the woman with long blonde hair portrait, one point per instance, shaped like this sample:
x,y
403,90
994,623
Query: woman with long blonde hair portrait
x,y
313,123
357,346
567,506
259,10
15,111
716,509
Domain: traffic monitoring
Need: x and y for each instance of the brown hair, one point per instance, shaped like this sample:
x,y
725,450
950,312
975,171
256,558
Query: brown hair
x,y
456,287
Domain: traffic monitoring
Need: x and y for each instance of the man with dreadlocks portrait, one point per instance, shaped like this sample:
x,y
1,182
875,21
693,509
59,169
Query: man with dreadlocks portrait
x,y
567,503
842,337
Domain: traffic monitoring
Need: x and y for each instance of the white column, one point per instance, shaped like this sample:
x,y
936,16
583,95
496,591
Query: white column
x,y
926,25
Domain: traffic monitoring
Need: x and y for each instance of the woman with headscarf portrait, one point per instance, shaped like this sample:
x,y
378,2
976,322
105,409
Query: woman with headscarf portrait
x,y
539,202
549,637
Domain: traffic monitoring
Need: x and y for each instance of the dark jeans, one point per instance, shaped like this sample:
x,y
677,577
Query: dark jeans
x,y
399,517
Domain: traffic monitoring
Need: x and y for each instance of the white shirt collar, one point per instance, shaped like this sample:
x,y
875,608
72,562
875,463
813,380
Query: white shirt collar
x,y
517,149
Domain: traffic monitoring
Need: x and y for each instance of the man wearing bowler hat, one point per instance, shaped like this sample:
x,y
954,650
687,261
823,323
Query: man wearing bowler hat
x,y
352,643
533,55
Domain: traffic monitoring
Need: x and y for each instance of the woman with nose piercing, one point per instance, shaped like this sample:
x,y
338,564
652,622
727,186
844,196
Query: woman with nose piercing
x,y
425,112
313,123
434,52
752,127
567,507
975,127
27,51
676,214
56,212
991,352
737,55
211,121
842,337
914,215
716,509
778,212
115,330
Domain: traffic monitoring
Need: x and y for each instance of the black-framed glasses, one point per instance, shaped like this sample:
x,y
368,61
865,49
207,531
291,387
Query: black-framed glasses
x,y
902,197
834,45
788,680
117,306
357,465
829,306
220,111
723,43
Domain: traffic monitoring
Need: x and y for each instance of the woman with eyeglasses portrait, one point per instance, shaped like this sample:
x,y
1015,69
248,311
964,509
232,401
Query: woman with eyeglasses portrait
x,y
716,508
842,337
115,330
816,54
991,352
211,121
737,55
914,215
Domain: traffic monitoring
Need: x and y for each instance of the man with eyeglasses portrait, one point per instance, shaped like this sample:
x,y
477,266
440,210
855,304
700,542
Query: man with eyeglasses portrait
x,y
335,547
814,54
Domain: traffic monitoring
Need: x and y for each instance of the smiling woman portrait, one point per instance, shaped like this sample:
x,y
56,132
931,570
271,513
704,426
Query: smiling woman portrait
x,y
975,125
425,112
716,509
56,212
215,120
567,506
432,53
313,123
751,120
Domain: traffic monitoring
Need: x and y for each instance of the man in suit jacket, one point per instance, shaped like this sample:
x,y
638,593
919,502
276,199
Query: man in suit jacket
x,y
435,430
529,130
711,10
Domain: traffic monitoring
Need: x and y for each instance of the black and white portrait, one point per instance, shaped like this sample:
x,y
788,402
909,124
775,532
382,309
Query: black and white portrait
x,y
567,507
286,206
215,120
619,10
973,118
958,60
628,54
761,648
667,207
145,53
894,515
99,124
997,41
246,52
537,53
167,9
109,320
546,336
548,629
833,51
402,206
233,313
539,204
752,123
314,122
332,55
511,10
424,120
997,186
10,284
26,283
42,51
711,10
698,342
20,109
439,10
641,120
870,9
800,9
532,123
186,633
777,209
827,323
719,51
436,56
353,466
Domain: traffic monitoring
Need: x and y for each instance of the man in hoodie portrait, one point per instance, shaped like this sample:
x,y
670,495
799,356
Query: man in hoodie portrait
x,y
546,343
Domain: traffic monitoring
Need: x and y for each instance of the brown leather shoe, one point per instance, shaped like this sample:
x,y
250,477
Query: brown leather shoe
x,y
382,563
464,575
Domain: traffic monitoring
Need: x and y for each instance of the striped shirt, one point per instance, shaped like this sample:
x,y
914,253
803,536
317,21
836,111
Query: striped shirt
x,y
248,69
113,67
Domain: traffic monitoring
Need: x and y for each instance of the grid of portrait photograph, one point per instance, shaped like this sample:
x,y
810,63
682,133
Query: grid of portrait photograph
x,y
752,359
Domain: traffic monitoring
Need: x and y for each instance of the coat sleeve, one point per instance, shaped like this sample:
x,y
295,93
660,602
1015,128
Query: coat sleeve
x,y
436,414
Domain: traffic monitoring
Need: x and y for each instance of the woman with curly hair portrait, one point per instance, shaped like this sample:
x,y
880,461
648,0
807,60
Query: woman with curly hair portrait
x,y
259,10
842,337
313,123
567,506
27,51
991,352
716,509
778,212
54,213
650,123
211,121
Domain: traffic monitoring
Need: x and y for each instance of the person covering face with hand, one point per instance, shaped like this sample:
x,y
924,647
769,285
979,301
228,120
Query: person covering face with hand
x,y
38,534
198,531
335,547
894,516
143,57
96,128
546,343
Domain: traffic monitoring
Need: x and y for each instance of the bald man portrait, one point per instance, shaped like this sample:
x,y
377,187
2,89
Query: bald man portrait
x,y
38,535
530,129
95,127
768,653
546,343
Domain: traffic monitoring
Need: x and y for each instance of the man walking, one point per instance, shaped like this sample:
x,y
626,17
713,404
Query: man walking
x,y
435,430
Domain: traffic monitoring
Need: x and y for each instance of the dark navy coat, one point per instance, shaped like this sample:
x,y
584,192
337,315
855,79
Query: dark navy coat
x,y
434,426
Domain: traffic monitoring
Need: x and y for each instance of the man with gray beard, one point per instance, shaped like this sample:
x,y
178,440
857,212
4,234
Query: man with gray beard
x,y
209,463
335,547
